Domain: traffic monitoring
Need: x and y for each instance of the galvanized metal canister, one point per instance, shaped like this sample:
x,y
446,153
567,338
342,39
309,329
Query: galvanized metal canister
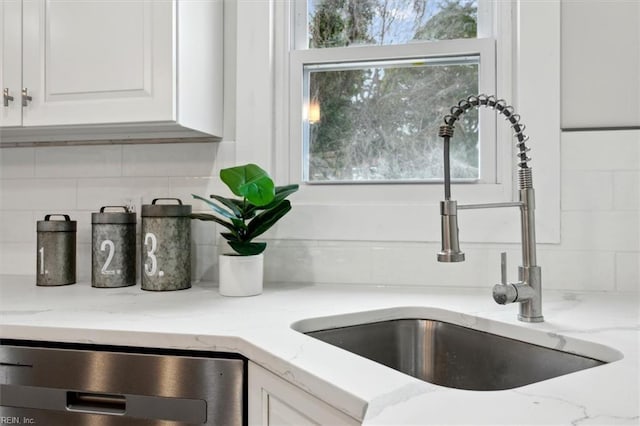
x,y
56,251
113,248
166,246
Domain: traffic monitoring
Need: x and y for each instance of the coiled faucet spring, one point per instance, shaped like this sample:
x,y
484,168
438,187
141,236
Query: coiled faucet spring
x,y
499,105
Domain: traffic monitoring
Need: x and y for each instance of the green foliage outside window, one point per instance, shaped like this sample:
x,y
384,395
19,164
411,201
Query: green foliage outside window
x,y
381,122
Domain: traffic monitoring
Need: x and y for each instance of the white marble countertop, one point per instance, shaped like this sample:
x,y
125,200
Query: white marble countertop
x,y
598,324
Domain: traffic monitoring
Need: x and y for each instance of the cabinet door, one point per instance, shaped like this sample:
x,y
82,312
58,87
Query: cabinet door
x,y
600,64
10,62
275,402
98,62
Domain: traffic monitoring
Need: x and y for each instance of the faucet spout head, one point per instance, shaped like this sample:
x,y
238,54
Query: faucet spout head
x,y
449,223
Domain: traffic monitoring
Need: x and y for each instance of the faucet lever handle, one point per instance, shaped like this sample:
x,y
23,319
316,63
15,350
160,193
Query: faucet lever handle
x,y
503,268
504,292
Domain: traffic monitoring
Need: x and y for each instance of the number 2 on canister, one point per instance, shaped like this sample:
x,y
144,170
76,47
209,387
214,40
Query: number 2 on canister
x,y
112,248
151,240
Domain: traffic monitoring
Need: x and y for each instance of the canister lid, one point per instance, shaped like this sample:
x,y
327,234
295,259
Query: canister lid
x,y
166,210
66,225
122,217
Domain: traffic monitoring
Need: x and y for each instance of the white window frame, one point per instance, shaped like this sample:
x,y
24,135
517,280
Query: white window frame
x,y
527,71
484,48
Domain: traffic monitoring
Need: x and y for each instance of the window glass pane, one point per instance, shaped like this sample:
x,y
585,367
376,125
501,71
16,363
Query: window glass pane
x,y
378,121
335,23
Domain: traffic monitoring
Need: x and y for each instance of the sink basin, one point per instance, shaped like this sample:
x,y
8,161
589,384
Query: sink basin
x,y
452,355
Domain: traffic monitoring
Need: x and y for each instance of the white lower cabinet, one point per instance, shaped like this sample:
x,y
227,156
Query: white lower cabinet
x,y
276,402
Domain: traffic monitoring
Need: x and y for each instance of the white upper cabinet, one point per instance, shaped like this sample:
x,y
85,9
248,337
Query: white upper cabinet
x,y
600,64
95,62
112,69
10,58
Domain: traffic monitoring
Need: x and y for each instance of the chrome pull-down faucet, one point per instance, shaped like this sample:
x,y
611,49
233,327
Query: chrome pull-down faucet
x,y
527,292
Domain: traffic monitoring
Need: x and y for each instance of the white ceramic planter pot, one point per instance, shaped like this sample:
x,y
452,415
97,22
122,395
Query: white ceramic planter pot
x,y
240,275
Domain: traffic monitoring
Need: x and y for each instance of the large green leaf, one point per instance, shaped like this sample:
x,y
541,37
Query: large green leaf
x,y
281,192
230,203
212,218
265,220
216,208
246,248
286,190
229,236
251,182
239,225
245,209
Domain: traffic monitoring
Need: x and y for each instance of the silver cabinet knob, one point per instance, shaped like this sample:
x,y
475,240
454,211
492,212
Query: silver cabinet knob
x,y
6,97
25,97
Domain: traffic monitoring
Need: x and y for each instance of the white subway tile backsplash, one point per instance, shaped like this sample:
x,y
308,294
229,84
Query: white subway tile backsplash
x,y
17,226
628,271
318,265
594,230
577,270
587,190
179,159
79,161
204,265
288,265
17,163
42,194
330,265
225,153
601,150
95,193
297,243
83,261
626,191
203,232
18,259
83,219
183,187
599,251
418,266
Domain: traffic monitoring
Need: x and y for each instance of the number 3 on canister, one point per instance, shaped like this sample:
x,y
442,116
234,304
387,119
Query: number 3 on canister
x,y
151,243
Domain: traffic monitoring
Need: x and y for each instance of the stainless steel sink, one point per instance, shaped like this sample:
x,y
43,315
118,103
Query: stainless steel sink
x,y
454,356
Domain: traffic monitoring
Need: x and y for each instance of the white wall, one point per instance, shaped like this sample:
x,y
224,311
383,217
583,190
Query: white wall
x,y
600,213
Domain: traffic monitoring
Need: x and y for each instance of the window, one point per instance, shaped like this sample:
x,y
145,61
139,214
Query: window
x,y
378,121
377,77
268,75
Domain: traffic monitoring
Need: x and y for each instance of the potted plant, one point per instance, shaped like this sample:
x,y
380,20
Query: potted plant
x,y
260,206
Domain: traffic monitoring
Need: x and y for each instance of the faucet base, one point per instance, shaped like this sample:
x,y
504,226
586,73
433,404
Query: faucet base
x,y
531,307
530,319
450,256
526,292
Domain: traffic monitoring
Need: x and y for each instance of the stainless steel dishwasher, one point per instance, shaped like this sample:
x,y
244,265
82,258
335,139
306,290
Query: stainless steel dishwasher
x,y
57,384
